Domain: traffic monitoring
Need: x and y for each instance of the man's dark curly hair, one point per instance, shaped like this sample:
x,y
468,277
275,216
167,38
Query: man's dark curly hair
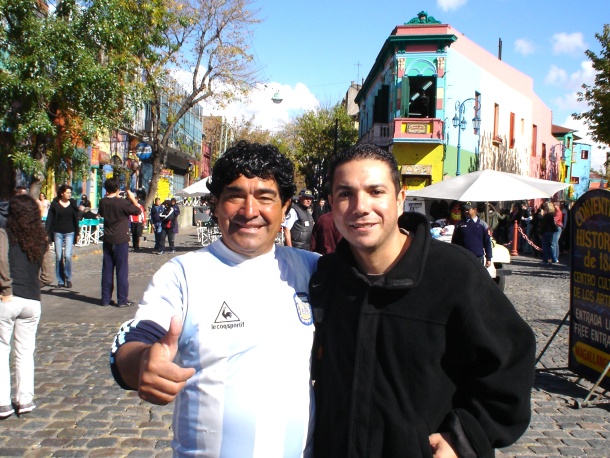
x,y
253,160
364,151
25,227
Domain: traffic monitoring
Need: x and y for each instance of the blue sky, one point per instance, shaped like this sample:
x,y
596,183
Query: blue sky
x,y
311,50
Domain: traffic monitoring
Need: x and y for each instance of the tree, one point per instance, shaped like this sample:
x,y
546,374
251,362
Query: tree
x,y
210,39
63,78
598,95
315,136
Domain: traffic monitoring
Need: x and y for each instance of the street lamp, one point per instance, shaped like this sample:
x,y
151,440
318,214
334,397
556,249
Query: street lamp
x,y
460,122
277,98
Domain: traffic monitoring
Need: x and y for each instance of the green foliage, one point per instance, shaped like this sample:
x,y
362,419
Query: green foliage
x,y
315,136
65,77
598,95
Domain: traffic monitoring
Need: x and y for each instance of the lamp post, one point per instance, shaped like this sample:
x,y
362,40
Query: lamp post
x,y
460,122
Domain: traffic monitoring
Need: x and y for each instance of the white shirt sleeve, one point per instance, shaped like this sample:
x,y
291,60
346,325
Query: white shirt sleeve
x,y
291,218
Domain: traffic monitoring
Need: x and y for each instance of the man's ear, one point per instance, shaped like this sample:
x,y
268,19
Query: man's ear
x,y
400,200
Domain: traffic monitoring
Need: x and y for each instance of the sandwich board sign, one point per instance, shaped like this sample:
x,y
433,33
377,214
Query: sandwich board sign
x,y
589,343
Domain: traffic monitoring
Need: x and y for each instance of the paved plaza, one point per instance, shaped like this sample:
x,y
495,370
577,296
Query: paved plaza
x,y
83,413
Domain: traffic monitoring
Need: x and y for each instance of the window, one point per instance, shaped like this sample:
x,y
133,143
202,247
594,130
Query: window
x,y
584,154
418,97
511,137
534,138
496,119
574,180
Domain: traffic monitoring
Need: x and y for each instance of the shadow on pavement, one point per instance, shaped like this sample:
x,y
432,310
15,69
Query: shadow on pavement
x,y
567,384
71,295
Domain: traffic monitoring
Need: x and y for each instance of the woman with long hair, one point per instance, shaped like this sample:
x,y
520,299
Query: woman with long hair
x,y
25,265
548,229
62,228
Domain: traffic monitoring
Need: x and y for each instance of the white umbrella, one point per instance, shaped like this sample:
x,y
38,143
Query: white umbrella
x,y
490,185
195,190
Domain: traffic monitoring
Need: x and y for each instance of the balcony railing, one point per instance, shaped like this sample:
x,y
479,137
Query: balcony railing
x,y
418,129
379,135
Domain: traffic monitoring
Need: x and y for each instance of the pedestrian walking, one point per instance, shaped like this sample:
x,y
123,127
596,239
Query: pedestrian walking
x,y
168,222
25,266
548,229
156,221
43,204
62,227
137,223
116,211
176,208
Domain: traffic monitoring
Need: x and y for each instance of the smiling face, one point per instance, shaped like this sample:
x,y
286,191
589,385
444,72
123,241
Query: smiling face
x,y
249,213
366,207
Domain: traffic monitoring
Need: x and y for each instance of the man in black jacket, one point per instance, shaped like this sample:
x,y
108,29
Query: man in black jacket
x,y
417,352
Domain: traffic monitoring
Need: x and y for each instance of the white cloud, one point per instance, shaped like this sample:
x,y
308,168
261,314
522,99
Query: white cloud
x,y
259,106
598,150
586,75
568,43
559,77
556,76
569,102
524,47
448,5
267,114
572,83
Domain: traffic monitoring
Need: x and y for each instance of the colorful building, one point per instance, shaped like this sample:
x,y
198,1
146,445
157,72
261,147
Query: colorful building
x,y
445,106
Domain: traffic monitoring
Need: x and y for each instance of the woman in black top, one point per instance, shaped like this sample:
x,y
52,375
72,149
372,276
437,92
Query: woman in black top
x,y
62,228
24,267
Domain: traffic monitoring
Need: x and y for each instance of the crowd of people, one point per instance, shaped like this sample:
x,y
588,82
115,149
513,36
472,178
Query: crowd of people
x,y
542,231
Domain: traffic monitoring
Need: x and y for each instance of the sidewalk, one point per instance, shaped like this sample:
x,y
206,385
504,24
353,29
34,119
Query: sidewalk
x,y
83,413
81,303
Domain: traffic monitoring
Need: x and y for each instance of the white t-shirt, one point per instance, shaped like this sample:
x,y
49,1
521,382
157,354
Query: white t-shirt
x,y
248,331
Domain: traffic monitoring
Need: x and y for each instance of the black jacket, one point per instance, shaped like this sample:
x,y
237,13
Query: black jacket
x,y
433,346
52,218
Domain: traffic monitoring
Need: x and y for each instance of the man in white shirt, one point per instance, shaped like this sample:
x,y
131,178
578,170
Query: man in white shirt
x,y
227,330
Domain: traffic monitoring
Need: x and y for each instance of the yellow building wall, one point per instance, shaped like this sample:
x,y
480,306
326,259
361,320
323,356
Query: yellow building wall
x,y
424,154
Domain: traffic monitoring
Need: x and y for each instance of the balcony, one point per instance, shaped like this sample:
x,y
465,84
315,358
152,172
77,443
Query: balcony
x,y
424,130
379,135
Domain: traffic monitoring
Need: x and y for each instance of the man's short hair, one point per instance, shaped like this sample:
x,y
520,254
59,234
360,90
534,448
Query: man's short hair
x,y
253,160
364,151
111,185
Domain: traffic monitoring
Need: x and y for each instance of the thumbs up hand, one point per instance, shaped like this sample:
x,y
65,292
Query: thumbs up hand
x,y
160,379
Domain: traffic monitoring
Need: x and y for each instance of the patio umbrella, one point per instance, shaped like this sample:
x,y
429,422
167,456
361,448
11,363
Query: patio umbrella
x,y
488,186
195,190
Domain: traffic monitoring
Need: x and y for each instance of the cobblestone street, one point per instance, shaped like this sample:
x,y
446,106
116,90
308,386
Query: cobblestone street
x,y
83,413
